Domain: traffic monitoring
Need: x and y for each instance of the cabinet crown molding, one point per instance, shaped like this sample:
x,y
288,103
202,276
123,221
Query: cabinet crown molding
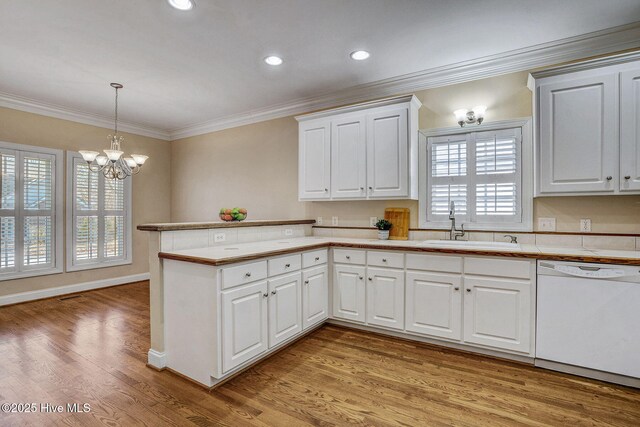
x,y
588,64
364,105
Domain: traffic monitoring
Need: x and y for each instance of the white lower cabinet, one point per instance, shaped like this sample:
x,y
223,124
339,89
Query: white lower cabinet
x,y
349,293
434,304
315,296
285,314
244,320
385,297
497,313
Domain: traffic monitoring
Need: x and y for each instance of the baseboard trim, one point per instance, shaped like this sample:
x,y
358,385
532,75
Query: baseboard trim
x,y
157,359
70,289
589,373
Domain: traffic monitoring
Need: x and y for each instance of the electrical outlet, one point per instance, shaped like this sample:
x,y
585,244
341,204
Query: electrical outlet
x,y
334,220
219,237
288,232
546,224
585,225
319,220
372,221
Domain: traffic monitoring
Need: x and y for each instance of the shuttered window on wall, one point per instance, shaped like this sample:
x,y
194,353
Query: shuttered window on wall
x,y
29,211
480,172
99,227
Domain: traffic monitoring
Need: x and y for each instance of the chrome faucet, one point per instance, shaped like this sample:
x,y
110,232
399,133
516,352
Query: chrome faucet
x,y
454,233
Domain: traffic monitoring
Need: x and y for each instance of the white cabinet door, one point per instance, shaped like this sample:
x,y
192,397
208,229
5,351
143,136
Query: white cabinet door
x,y
385,297
349,293
497,313
244,324
314,160
285,308
434,304
388,153
348,158
630,131
315,296
578,135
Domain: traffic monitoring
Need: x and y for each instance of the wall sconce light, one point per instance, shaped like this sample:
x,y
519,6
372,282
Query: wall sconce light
x,y
476,115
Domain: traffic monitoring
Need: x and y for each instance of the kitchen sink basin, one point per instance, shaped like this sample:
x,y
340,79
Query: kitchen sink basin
x,y
467,244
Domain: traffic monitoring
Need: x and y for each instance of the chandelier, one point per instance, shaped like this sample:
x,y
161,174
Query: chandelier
x,y
112,164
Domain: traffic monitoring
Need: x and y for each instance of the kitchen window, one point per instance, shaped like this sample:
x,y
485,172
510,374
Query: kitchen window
x,y
30,211
487,174
98,218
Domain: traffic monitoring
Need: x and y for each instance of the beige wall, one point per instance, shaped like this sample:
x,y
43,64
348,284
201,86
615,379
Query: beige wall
x,y
256,166
151,188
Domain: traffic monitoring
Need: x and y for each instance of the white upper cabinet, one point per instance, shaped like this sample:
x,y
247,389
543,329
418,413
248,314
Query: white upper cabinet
x,y
630,130
348,158
365,151
314,158
387,154
587,128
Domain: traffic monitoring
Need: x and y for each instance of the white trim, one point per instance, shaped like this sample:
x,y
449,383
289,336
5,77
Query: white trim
x,y
70,289
29,105
362,106
590,64
157,359
526,164
601,42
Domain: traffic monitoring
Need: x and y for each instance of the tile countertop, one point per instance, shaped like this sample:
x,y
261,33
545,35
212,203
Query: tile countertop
x,y
228,254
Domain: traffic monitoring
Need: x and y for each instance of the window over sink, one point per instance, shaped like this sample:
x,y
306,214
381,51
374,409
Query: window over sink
x,y
486,173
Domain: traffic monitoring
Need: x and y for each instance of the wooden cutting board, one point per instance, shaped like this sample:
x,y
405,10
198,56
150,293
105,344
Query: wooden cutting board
x,y
399,217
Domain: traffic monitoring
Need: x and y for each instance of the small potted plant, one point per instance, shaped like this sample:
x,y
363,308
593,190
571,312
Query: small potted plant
x,y
383,227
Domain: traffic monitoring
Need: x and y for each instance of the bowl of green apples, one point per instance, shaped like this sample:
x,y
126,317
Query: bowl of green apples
x,y
234,214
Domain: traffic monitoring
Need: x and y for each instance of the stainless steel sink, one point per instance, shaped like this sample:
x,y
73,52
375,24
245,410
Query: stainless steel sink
x,y
467,244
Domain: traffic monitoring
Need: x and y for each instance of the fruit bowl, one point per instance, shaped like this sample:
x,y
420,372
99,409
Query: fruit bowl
x,y
234,214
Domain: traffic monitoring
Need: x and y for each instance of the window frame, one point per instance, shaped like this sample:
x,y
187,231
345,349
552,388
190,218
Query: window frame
x,y
57,210
525,174
101,262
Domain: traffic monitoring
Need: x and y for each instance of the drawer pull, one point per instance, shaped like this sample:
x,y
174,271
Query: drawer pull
x,y
265,295
609,178
627,177
287,265
348,257
370,279
361,277
248,274
384,260
317,258
468,290
456,288
306,282
274,292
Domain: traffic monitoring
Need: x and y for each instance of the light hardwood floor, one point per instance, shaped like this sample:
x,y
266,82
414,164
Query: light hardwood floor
x,y
92,349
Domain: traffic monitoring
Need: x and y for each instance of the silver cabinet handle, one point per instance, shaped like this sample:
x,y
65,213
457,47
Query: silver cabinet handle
x,y
468,290
456,288
627,177
317,258
248,274
306,282
274,292
609,178
287,265
265,295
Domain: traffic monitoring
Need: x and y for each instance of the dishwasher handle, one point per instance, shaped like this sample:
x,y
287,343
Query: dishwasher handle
x,y
588,272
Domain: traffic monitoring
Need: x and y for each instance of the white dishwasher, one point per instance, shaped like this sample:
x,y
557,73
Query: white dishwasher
x,y
588,316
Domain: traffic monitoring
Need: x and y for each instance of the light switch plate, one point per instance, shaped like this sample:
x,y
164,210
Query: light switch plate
x,y
372,221
546,224
334,220
219,237
288,232
585,225
319,220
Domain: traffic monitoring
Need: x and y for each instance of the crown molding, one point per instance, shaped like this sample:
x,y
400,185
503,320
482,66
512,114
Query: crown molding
x,y
597,43
590,64
29,105
358,107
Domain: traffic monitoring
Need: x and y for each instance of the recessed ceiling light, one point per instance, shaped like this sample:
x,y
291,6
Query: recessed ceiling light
x,y
360,55
182,4
273,60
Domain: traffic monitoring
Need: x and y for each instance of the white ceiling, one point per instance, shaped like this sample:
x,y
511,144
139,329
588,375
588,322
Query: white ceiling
x,y
186,68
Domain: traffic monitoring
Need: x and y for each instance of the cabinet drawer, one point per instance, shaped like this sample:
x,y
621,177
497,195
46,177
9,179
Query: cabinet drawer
x,y
348,256
444,263
386,259
245,273
311,259
520,269
284,264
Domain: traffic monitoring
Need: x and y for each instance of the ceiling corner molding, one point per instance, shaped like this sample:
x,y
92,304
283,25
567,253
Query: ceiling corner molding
x,y
28,105
588,45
